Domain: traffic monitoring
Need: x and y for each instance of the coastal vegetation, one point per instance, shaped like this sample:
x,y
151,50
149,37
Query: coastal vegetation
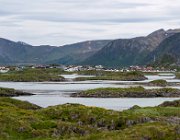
x,y
135,92
22,120
25,121
32,75
171,104
42,75
8,92
178,75
108,75
160,82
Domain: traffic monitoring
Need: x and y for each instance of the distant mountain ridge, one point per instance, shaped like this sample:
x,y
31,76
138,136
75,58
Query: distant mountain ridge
x,y
126,52
21,53
167,53
111,53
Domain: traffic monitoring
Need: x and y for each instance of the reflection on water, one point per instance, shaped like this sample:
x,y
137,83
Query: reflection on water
x,y
73,76
56,86
54,93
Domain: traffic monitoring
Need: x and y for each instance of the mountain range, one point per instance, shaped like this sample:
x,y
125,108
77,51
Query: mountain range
x,y
18,53
160,47
135,51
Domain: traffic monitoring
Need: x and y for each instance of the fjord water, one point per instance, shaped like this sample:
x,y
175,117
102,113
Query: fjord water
x,y
55,93
108,103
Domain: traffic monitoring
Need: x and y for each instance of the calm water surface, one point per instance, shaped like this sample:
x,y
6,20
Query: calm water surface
x,y
55,93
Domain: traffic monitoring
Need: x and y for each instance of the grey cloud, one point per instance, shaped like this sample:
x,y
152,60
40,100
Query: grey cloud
x,y
4,13
99,18
61,21
77,11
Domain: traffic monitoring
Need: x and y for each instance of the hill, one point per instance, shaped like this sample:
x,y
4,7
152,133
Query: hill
x,y
21,53
160,45
126,52
167,53
25,121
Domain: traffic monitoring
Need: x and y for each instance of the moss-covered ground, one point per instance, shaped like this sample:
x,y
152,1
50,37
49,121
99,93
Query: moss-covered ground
x,y
137,92
107,75
32,75
24,121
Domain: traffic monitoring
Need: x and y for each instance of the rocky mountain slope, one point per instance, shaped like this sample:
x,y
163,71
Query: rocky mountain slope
x,y
126,52
22,53
160,45
167,53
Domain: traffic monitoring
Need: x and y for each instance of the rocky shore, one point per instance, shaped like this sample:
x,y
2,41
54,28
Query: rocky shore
x,y
116,76
133,92
161,83
170,104
7,92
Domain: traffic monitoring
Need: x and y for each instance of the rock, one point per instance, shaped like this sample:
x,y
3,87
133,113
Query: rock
x,y
171,104
135,107
80,123
101,123
128,93
177,130
130,123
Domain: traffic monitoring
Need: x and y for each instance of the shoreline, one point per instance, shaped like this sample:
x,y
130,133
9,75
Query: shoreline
x,y
132,92
9,92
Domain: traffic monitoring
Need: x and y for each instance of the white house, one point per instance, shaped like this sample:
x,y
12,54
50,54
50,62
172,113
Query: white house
x,y
4,69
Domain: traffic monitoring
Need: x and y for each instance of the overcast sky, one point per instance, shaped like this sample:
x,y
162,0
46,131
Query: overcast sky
x,y
58,22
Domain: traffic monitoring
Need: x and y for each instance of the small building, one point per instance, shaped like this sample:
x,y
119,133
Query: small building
x,y
99,67
4,70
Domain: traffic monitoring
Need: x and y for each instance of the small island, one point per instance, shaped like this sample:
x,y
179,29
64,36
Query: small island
x,y
32,75
177,75
161,83
108,75
8,92
175,103
132,92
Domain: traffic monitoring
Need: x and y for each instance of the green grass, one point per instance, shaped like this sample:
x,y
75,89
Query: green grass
x,y
171,104
154,131
128,92
25,121
33,75
8,92
9,102
178,75
162,83
104,75
121,90
41,75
